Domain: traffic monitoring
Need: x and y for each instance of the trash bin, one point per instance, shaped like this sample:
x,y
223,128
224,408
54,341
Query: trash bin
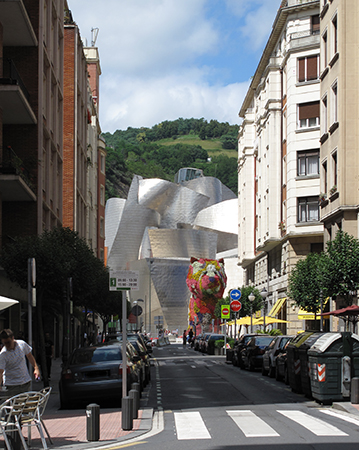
x,y
330,367
355,355
304,363
293,361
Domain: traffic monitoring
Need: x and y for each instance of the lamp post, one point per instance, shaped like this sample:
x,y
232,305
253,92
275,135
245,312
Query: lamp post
x,y
264,295
251,298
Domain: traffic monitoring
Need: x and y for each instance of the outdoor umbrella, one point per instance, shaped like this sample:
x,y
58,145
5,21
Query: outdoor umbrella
x,y
348,314
269,321
6,302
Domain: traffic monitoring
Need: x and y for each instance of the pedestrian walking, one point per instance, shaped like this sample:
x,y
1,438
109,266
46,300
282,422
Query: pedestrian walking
x,y
49,352
184,338
190,338
13,369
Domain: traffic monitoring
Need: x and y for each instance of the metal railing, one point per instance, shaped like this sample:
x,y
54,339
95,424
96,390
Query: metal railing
x,y
12,164
12,76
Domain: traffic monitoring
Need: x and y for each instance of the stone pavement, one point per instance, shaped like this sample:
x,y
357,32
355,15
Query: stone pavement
x,y
67,428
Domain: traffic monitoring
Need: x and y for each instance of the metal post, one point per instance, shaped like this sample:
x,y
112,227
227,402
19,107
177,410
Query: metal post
x,y
149,298
29,306
124,342
251,317
93,422
321,309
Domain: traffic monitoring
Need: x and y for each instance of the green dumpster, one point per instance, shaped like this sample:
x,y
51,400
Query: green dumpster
x,y
355,355
330,367
304,364
293,360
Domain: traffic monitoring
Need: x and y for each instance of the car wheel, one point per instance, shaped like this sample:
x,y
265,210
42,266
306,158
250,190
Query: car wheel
x,y
64,403
264,371
251,366
271,371
277,374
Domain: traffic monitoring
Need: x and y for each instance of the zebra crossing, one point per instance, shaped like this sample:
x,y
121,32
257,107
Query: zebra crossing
x,y
191,362
190,425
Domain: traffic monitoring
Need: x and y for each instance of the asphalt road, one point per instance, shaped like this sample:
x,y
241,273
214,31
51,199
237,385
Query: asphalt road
x,y
203,403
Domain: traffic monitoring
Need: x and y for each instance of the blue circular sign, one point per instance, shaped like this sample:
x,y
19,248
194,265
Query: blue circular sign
x,y
235,294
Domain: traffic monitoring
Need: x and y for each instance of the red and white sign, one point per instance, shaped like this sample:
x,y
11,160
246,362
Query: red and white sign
x,y
225,311
321,372
236,306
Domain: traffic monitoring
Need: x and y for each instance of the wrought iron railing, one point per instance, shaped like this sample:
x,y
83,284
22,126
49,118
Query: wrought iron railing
x,y
12,76
12,164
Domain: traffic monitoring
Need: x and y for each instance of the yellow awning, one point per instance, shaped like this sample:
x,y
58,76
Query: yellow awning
x,y
304,315
277,307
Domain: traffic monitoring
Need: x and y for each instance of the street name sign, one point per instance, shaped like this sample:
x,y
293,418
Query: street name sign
x,y
235,294
236,306
124,280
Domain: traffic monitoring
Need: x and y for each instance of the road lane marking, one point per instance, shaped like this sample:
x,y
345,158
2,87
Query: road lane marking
x,y
190,425
340,416
251,425
316,426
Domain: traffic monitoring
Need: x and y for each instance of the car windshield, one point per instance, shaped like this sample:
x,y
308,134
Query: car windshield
x,y
96,354
216,338
263,340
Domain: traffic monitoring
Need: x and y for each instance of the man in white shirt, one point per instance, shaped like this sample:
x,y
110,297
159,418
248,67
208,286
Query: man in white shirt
x,y
13,368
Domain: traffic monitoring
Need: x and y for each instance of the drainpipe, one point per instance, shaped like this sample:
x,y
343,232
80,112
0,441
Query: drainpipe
x,y
281,145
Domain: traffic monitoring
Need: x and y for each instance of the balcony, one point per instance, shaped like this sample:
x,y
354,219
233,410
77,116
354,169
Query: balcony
x,y
14,97
18,30
15,181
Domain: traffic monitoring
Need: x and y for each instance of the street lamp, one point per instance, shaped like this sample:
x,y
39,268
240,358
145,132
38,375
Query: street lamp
x,y
264,295
251,298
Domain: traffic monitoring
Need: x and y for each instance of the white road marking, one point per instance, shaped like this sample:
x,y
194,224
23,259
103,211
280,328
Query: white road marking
x,y
349,419
190,425
251,425
316,426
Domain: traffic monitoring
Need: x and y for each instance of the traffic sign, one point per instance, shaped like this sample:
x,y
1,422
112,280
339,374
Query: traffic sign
x,y
236,306
137,310
235,294
225,312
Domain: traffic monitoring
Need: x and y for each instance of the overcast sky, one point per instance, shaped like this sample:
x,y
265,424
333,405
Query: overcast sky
x,y
165,59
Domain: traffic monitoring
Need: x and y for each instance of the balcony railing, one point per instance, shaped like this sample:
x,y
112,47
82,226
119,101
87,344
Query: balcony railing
x,y
12,76
12,164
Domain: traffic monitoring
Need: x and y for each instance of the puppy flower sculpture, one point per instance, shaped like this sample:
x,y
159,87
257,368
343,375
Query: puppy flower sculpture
x,y
206,280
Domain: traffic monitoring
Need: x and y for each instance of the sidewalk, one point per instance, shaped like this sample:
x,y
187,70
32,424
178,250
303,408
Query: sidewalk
x,y
67,428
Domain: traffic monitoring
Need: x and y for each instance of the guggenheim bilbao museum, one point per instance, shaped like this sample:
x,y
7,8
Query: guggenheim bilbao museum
x,y
159,228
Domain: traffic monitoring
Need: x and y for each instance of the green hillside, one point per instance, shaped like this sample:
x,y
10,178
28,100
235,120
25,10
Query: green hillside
x,y
160,151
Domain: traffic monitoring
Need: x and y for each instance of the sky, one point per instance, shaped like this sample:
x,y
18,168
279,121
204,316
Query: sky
x,y
165,59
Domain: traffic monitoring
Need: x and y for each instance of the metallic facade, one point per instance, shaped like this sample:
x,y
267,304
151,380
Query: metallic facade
x,y
158,229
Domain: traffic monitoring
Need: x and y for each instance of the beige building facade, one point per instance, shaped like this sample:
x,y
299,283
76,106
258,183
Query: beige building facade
x,y
278,160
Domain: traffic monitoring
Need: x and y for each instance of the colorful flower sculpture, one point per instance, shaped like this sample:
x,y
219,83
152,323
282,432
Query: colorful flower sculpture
x,y
206,281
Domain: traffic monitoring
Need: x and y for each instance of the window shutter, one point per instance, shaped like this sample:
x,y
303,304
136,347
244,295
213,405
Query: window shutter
x,y
312,67
308,110
316,24
301,69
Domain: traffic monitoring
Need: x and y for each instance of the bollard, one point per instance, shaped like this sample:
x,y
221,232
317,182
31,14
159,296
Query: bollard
x,y
93,422
127,414
137,387
354,398
134,395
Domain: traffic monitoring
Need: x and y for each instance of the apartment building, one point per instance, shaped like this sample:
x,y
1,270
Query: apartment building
x,y
84,149
278,160
339,142
31,110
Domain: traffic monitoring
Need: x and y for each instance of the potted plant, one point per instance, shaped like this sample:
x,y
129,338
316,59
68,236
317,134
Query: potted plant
x,y
322,198
281,225
333,190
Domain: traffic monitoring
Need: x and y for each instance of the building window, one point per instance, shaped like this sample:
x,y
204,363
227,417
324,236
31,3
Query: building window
x,y
335,168
102,195
308,68
325,114
335,34
102,227
335,102
315,24
325,49
102,163
308,115
308,162
308,209
325,177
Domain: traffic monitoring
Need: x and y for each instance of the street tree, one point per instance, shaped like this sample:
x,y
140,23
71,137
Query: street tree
x,y
341,272
306,282
60,255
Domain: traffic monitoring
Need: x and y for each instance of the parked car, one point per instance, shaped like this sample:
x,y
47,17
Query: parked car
x,y
238,347
210,343
252,353
281,367
95,374
275,348
202,344
197,340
